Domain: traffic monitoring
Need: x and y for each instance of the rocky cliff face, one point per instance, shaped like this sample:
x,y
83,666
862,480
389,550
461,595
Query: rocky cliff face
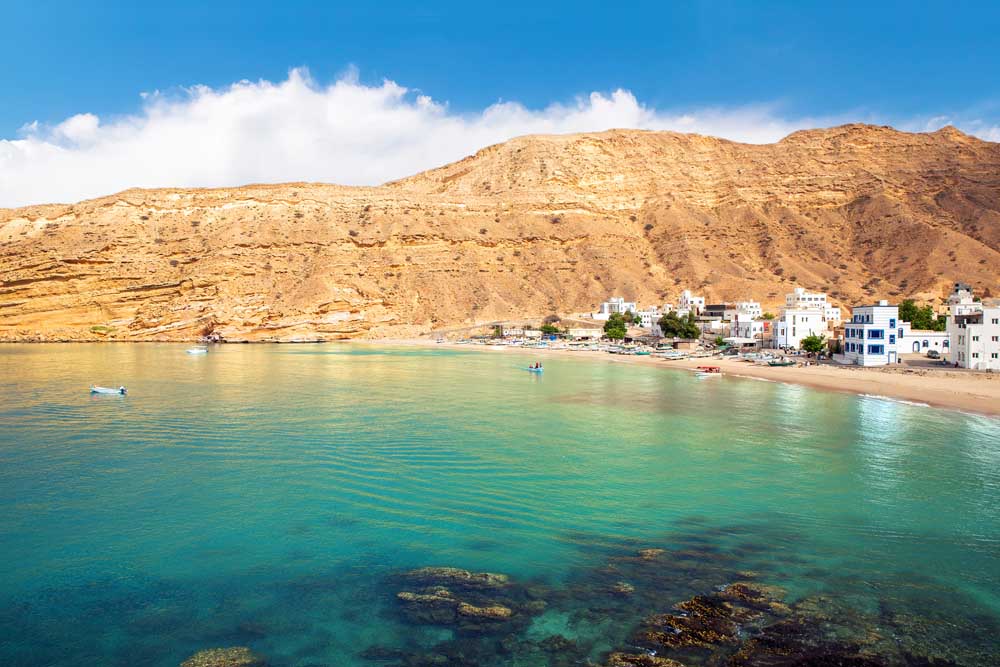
x,y
533,226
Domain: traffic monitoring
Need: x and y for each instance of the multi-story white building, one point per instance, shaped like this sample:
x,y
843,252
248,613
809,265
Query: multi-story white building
x,y
750,308
750,328
615,304
871,337
975,338
800,298
961,301
648,316
794,324
688,302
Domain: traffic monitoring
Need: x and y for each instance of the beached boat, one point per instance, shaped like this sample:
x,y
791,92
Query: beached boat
x,y
94,389
703,372
780,362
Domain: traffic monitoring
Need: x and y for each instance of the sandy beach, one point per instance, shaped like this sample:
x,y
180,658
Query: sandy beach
x,y
939,387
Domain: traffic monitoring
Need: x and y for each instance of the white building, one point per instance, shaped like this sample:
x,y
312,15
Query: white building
x,y
975,338
585,333
871,337
615,304
961,301
648,317
750,328
922,340
800,298
690,303
750,308
794,324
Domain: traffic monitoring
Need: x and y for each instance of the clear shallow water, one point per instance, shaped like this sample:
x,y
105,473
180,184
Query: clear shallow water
x,y
267,495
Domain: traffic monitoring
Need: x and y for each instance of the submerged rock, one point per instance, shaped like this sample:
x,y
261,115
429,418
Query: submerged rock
x,y
622,588
237,656
639,660
435,605
496,611
756,596
472,602
458,578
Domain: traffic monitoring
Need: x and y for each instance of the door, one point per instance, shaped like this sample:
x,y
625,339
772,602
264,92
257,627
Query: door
x,y
892,357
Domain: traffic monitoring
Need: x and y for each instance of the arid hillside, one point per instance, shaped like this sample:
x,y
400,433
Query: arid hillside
x,y
533,226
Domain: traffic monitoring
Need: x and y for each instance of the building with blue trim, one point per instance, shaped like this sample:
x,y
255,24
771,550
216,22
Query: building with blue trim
x,y
873,335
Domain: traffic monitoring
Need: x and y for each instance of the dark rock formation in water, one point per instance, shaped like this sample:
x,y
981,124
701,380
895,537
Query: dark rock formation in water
x,y
694,604
471,602
237,656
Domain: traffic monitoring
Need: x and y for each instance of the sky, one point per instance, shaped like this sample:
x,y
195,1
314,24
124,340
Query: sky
x,y
100,97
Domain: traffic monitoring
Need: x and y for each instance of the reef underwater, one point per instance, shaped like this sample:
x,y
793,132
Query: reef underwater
x,y
687,603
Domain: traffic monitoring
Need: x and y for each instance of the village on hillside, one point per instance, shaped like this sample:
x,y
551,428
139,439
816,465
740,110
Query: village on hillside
x,y
964,332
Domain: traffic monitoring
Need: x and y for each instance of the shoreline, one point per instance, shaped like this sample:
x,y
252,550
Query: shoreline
x,y
952,390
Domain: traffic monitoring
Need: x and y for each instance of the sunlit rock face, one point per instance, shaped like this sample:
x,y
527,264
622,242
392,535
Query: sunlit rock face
x,y
537,225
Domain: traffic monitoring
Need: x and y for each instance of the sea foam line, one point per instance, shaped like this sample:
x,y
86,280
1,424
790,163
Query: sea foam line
x,y
895,400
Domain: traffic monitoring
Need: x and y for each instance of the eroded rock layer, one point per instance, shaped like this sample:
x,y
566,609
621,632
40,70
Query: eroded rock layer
x,y
533,226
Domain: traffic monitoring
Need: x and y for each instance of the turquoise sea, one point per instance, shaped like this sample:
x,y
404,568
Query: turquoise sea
x,y
274,497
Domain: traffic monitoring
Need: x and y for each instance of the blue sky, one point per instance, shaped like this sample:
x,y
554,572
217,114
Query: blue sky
x,y
773,67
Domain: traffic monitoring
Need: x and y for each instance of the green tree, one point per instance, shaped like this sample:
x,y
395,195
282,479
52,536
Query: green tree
x,y
814,343
767,316
629,317
921,317
549,329
615,328
671,325
674,326
719,341
692,330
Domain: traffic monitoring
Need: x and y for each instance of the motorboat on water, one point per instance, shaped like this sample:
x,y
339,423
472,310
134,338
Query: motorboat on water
x,y
704,372
197,350
94,389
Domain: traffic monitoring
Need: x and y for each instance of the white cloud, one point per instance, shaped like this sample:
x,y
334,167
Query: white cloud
x,y
297,130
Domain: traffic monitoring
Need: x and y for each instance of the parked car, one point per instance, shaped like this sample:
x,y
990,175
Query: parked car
x,y
933,354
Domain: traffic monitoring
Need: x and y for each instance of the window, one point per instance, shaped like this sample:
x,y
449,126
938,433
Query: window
x,y
924,343
995,320
947,343
900,332
892,339
876,349
995,338
975,339
975,355
892,322
994,355
877,334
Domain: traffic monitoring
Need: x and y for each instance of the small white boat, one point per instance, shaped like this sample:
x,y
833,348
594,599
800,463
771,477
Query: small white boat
x,y
197,350
94,389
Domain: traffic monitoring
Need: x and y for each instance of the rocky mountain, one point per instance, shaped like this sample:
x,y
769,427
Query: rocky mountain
x,y
536,225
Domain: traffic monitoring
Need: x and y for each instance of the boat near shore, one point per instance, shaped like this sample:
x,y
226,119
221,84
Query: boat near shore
x,y
94,389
